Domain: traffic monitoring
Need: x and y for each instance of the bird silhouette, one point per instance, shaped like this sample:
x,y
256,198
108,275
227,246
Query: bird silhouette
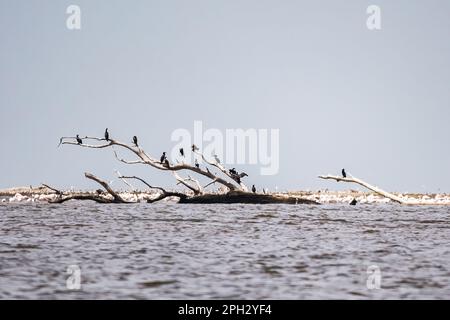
x,y
79,141
182,152
253,189
106,135
344,174
163,158
135,141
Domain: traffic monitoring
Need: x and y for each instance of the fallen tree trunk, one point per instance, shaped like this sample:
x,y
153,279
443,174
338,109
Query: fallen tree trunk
x,y
377,190
245,198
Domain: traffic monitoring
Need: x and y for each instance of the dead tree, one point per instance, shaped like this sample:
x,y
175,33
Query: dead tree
x,y
237,191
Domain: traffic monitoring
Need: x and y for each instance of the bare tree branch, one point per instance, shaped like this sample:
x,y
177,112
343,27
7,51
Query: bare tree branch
x,y
374,189
144,158
106,186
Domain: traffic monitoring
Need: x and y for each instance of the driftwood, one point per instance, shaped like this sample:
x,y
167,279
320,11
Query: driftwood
x,y
377,190
235,190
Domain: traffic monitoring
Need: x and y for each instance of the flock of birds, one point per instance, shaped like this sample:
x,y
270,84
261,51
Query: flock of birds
x,y
236,176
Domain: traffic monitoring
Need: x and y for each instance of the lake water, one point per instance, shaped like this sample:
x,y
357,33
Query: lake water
x,y
170,251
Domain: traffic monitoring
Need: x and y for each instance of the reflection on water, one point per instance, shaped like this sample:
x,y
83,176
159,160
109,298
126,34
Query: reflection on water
x,y
169,251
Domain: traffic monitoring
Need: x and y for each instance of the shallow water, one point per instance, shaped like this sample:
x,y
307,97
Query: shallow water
x,y
170,251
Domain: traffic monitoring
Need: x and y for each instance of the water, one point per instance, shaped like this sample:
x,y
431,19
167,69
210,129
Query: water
x,y
170,251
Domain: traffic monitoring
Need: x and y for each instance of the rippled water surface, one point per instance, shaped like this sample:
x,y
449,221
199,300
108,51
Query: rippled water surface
x,y
170,251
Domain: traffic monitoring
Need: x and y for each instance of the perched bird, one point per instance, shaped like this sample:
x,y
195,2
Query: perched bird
x,y
196,164
194,148
99,191
216,158
135,141
354,202
106,135
163,158
232,171
243,174
254,189
344,174
79,141
166,163
236,178
182,152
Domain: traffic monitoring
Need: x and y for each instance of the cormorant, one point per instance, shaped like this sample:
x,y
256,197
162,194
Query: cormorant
x,y
79,141
182,152
196,164
237,178
354,202
163,157
232,171
344,174
254,189
194,148
106,135
135,141
243,174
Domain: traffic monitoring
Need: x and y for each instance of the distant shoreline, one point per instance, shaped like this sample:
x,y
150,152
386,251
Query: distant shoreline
x,y
43,195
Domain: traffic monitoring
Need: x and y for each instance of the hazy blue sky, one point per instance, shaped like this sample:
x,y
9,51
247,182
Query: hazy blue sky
x,y
374,102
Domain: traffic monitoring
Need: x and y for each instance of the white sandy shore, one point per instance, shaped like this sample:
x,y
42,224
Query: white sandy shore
x,y
41,194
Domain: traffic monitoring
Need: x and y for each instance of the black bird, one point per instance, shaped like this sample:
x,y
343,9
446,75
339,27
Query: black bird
x,y
243,174
166,163
106,135
254,189
99,191
196,164
135,141
194,148
163,157
232,171
182,152
79,141
344,174
236,178
354,202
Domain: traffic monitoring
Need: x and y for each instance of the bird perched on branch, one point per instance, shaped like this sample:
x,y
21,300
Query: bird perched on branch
x,y
79,141
182,152
253,189
194,148
232,171
354,202
236,177
196,164
163,158
135,141
344,174
243,174
106,135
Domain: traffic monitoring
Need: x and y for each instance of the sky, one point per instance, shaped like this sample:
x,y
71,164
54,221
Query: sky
x,y
375,102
